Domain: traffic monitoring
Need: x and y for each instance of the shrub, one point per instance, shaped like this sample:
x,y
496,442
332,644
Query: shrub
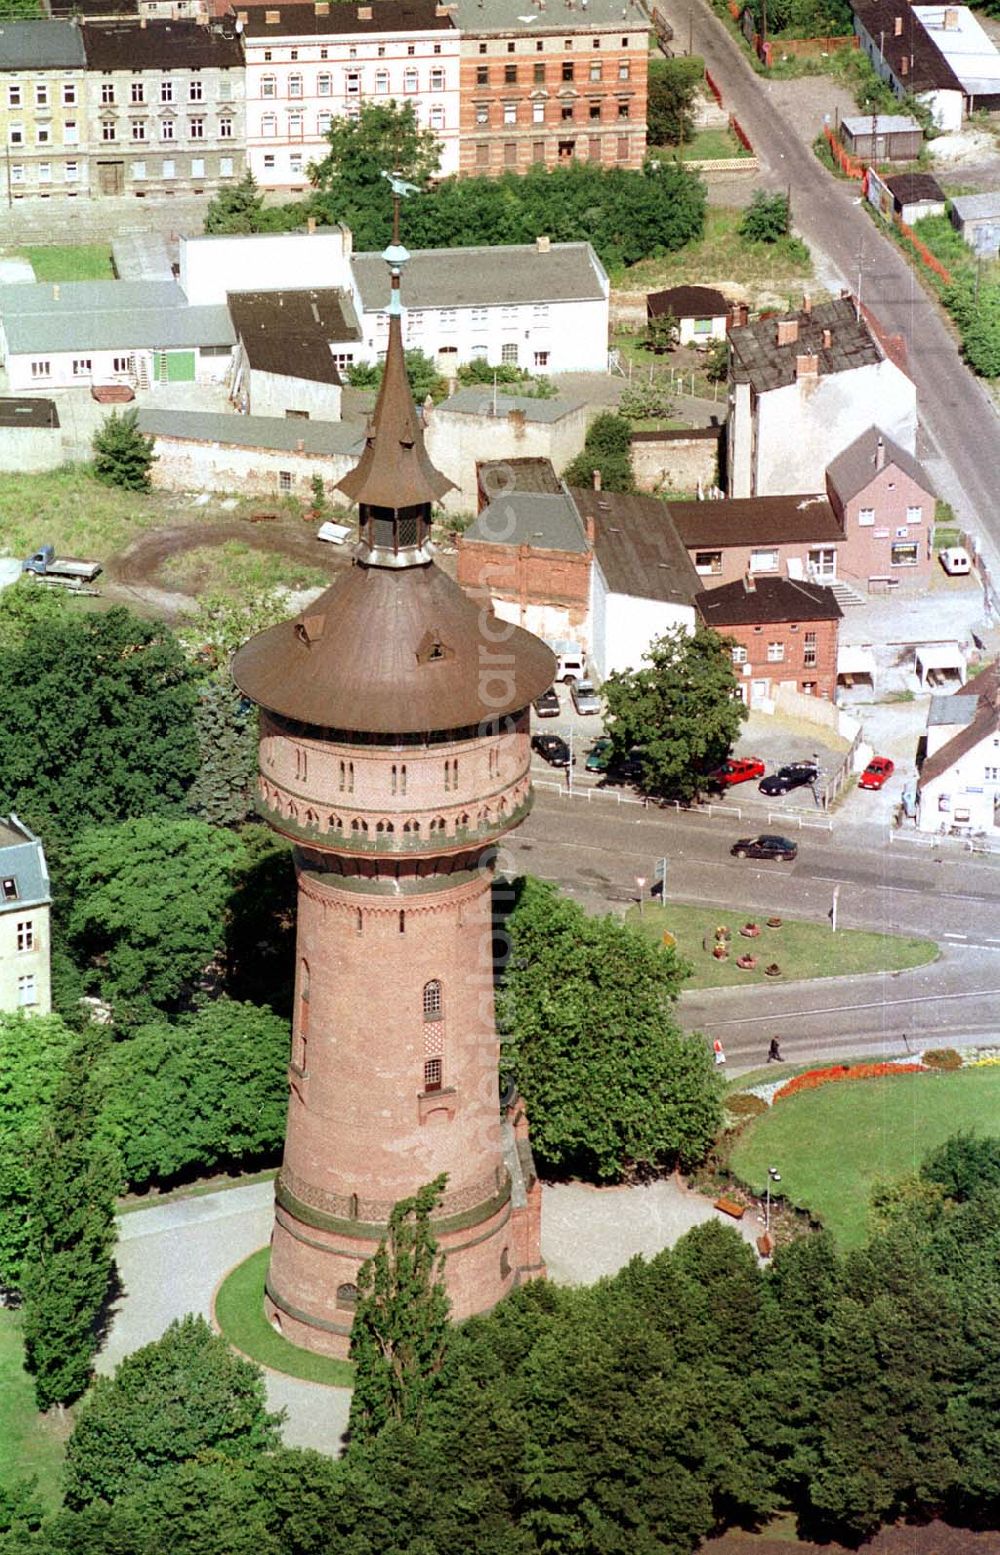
x,y
767,218
942,1058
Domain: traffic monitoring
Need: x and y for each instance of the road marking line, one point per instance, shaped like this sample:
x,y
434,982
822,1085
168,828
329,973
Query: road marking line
x,y
955,936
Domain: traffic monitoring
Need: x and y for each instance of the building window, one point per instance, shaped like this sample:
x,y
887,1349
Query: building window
x,y
437,79
347,1297
196,129
567,70
69,94
595,70
45,172
269,162
510,153
567,111
482,75
166,91
482,48
904,555
269,124
866,517
138,129
382,81
538,113
8,886
268,86
195,92
14,96
137,92
323,122
225,88
594,148
197,167
482,113
623,110
225,129
541,359
415,319
433,1074
623,70
166,129
482,153
26,994
409,81
71,133
739,653
432,1000
15,134
914,515
296,123
508,352
538,151
352,83
510,113
284,480
295,86
510,75
26,939
72,172
775,653
324,84
42,369
107,91
764,561
41,95
449,318
539,73
809,650
708,562
991,774
43,135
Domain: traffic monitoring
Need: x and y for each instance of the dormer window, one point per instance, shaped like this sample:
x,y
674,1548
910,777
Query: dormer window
x,y
8,887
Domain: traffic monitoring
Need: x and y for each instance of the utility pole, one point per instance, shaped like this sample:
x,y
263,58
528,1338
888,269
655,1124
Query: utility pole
x,y
833,909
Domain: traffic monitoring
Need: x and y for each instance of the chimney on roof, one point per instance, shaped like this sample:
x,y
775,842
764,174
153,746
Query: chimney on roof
x,y
591,529
904,66
807,365
516,420
880,453
807,304
950,20
364,13
788,331
749,583
897,26
827,339
595,476
271,16
543,243
740,312
310,225
300,445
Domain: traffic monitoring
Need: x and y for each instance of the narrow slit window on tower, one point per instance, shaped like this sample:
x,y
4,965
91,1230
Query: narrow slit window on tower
x,y
402,923
402,778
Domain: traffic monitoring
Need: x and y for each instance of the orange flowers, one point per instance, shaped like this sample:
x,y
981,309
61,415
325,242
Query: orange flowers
x,y
814,1078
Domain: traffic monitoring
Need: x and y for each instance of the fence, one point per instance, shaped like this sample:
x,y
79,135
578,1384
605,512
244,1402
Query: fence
x,y
849,166
922,251
804,48
713,88
740,133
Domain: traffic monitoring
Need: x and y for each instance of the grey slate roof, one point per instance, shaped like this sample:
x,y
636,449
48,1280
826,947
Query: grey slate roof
x,y
479,401
103,315
638,548
855,468
475,17
477,277
958,708
290,332
278,433
548,523
885,124
977,207
23,858
757,358
41,46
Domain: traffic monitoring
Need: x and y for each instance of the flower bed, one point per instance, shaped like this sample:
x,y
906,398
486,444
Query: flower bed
x,y
814,1078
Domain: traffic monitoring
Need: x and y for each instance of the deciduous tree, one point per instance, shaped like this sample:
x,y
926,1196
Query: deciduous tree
x,y
767,218
348,181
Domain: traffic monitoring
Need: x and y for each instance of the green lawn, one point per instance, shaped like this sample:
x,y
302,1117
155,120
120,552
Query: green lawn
x,y
74,262
78,515
237,568
30,1444
722,255
802,950
833,1144
239,1312
712,145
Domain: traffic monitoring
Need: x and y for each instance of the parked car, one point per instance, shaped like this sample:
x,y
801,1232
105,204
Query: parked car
x,y
551,749
585,698
877,773
796,775
599,755
739,769
547,705
765,846
956,561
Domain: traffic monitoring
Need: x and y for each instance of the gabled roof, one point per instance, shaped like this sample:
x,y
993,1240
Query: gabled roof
x,y
290,332
637,547
481,276
883,124
32,45
910,187
926,68
280,434
986,688
977,207
540,519
687,302
481,401
758,359
770,600
22,858
854,470
777,520
961,38
103,315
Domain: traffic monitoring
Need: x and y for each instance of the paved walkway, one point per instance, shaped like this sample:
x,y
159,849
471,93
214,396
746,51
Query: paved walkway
x,y
172,1258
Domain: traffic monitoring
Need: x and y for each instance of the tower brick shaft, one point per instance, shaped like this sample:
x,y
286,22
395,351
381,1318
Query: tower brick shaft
x,y
395,754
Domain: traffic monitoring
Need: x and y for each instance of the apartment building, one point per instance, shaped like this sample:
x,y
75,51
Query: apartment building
x,y
309,64
42,123
25,898
552,82
166,103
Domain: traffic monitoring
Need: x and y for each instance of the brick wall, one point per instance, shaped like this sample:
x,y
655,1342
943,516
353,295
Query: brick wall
x,y
792,670
670,463
527,575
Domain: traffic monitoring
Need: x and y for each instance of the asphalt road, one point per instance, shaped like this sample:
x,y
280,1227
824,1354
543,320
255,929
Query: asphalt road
x,y
954,408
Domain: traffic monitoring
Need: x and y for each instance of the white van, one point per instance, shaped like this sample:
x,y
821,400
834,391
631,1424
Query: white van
x,y
956,561
571,662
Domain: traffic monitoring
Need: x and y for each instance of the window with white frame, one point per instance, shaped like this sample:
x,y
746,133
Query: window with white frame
x,y
196,92
137,92
166,129
352,83
991,774
295,86
540,313
17,172
295,164
225,167
541,359
296,122
381,82
764,560
508,316
197,167
449,318
41,94
775,653
225,88
107,91
268,86
26,990
284,480
41,369
138,129
624,70
71,172
43,135
269,124
866,517
437,79
510,113
739,653
169,168
415,319
122,364
166,91
269,161
352,110
8,888
69,94
83,365
71,132
25,934
196,128
809,649
324,84
225,129
482,113
45,172
14,95
409,81
904,555
707,563
437,116
508,352
914,515
323,122
15,134
479,317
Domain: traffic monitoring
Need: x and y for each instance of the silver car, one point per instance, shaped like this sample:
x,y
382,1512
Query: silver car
x,y
585,698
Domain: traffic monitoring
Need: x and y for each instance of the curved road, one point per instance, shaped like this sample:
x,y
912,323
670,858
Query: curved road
x,y
954,407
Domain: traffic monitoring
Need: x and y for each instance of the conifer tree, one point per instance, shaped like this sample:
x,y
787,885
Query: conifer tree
x,y
123,456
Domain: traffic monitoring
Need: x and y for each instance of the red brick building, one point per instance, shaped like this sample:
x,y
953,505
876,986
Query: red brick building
x,y
552,82
394,754
785,634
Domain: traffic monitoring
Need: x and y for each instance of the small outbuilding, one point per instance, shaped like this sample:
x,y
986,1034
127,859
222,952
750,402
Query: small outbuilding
x,y
886,137
906,196
977,217
702,313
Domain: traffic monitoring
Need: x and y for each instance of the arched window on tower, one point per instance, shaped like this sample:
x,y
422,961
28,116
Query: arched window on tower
x,y
432,1000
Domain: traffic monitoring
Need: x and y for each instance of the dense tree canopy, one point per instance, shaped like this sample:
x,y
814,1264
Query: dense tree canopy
x,y
672,85
33,1054
607,448
350,184
97,714
608,1078
147,909
682,709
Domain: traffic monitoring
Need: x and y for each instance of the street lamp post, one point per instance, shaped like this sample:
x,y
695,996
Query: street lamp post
x,y
773,1175
640,881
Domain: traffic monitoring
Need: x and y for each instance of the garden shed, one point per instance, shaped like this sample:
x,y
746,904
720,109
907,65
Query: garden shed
x,y
908,196
883,137
701,312
977,217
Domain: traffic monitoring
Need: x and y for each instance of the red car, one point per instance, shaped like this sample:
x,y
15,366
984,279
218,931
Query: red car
x,y
878,772
740,769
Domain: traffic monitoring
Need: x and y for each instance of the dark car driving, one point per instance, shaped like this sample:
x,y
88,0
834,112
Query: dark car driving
x,y
547,705
765,846
798,774
551,749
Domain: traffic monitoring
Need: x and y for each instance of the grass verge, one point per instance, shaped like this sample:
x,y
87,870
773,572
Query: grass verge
x,y
722,255
72,262
30,1444
833,1144
237,568
802,950
239,1312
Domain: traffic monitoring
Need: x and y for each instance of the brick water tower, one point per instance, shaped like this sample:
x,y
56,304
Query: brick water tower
x,y
394,753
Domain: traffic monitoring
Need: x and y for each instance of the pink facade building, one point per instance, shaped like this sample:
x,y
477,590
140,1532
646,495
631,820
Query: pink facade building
x,y
395,755
885,507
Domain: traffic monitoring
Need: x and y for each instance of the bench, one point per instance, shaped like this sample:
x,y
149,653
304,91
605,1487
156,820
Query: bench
x,y
730,1207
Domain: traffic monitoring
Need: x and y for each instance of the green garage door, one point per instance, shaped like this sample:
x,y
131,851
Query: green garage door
x,y
175,367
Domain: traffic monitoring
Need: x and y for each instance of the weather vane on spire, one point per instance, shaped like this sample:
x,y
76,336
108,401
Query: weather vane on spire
x,y
396,255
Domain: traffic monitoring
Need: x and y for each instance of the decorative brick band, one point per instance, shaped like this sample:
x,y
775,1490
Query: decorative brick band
x,y
347,1215
291,1226
337,891
304,1317
321,831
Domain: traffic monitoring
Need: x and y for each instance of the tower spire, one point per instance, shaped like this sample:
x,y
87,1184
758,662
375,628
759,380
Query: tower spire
x,y
394,483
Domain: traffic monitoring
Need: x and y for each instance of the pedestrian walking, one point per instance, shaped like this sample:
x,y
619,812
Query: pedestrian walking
x,y
719,1051
906,1042
774,1052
